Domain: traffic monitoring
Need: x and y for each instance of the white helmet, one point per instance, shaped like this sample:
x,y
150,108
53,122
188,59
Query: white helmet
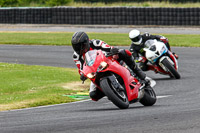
x,y
135,36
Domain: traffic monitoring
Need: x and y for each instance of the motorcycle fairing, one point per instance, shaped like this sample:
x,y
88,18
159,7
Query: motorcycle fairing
x,y
157,50
132,85
156,53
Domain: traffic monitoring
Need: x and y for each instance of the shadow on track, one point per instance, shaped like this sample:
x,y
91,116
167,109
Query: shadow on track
x,y
115,108
161,79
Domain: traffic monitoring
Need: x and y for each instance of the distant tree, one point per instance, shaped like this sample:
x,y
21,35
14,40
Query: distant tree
x,y
57,2
6,3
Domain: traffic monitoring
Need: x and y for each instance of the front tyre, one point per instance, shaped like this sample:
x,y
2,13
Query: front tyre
x,y
149,97
118,97
171,69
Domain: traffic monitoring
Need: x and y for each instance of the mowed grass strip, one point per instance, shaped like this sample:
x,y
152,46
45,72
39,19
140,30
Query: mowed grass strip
x,y
165,3
23,86
64,38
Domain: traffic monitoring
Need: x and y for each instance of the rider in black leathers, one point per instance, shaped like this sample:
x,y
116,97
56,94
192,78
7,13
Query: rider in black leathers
x,y
138,43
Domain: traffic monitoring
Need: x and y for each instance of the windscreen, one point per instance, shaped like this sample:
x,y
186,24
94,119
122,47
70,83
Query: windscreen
x,y
90,57
149,43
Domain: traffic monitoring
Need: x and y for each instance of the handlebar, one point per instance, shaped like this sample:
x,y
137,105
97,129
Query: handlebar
x,y
111,54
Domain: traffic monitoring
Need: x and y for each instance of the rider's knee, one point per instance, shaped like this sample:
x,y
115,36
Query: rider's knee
x,y
96,95
143,67
125,53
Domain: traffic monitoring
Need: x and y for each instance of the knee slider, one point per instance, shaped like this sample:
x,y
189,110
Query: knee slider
x,y
93,95
96,95
143,67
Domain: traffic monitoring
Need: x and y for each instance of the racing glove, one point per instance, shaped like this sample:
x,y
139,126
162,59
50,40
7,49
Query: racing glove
x,y
164,39
114,51
83,78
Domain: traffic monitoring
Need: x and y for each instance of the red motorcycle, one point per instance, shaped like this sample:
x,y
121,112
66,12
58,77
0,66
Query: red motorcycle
x,y
116,81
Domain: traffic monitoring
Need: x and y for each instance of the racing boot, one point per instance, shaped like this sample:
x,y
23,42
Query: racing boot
x,y
140,74
146,67
142,77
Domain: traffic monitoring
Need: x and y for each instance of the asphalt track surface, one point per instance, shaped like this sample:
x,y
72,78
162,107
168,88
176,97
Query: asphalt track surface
x,y
177,109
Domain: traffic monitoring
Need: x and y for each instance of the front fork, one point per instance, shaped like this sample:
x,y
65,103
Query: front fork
x,y
170,57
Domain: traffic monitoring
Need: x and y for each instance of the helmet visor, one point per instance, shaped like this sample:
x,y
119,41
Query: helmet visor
x,y
136,39
85,47
81,48
77,48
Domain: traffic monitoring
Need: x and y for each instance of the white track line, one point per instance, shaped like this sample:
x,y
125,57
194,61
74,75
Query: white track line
x,y
47,106
158,97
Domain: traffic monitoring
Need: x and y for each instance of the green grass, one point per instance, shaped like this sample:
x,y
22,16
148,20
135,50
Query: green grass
x,y
35,38
184,40
64,38
23,86
113,4
135,4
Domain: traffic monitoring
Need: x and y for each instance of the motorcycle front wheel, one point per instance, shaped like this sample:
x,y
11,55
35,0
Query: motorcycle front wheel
x,y
171,69
118,97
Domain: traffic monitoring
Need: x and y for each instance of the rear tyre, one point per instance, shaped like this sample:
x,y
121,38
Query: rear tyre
x,y
118,97
171,69
149,97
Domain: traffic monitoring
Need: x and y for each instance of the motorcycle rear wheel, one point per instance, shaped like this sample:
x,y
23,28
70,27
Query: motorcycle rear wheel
x,y
149,97
171,69
118,98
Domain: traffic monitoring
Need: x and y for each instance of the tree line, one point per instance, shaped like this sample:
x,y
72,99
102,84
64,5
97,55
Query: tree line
x,y
7,3
110,1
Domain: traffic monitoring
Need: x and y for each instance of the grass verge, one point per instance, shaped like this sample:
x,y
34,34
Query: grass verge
x,y
23,86
64,38
136,4
165,3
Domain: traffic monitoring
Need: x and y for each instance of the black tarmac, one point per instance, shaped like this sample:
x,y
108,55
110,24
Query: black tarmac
x,y
177,109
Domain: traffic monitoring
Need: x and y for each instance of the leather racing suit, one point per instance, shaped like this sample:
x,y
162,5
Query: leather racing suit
x,y
138,49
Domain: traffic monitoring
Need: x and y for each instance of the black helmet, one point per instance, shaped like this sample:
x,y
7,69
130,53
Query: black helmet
x,y
80,42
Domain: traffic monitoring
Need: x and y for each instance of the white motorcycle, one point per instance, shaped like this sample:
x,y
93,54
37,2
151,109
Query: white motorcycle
x,y
162,60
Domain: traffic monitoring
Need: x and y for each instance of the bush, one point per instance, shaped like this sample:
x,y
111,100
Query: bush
x,y
4,3
28,2
110,1
58,2
7,3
